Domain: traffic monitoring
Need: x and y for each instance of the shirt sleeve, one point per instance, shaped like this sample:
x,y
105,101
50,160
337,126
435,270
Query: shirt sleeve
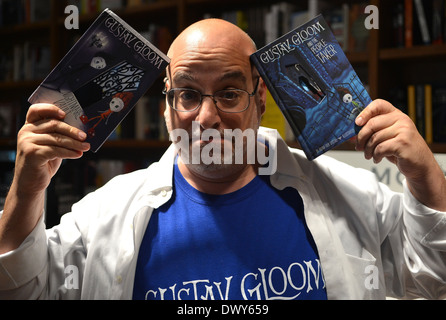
x,y
37,268
426,225
422,234
23,271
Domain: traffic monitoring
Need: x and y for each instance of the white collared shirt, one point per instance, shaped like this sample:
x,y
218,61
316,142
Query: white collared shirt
x,y
372,242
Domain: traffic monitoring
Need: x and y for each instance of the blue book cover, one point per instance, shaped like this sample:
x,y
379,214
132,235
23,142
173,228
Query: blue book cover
x,y
101,78
314,85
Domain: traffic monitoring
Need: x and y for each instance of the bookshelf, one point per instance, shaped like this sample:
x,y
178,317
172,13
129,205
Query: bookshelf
x,y
382,65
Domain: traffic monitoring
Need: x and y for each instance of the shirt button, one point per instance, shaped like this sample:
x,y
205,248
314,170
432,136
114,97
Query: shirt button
x,y
163,193
119,279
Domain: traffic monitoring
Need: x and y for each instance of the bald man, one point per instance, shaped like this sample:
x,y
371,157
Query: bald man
x,y
190,228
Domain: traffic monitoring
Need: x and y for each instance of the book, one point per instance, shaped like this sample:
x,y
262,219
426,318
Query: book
x,y
398,24
419,109
411,104
428,125
421,103
438,17
439,112
98,82
8,115
408,23
314,85
422,22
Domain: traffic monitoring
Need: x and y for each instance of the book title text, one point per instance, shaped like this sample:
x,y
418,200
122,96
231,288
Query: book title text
x,y
132,41
319,47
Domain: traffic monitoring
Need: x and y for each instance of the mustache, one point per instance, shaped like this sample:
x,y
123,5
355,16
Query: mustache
x,y
197,133
213,146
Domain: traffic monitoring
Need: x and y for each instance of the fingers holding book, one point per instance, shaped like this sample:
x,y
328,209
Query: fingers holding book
x,y
389,133
44,126
43,141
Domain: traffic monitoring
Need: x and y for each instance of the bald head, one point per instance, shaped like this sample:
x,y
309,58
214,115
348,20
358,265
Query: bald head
x,y
207,36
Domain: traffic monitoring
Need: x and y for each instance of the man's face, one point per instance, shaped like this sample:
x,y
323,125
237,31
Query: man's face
x,y
206,67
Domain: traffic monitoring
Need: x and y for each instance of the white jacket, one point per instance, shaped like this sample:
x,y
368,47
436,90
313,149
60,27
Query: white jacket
x,y
372,242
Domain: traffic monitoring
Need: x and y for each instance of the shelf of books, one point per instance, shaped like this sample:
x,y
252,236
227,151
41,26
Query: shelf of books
x,y
403,61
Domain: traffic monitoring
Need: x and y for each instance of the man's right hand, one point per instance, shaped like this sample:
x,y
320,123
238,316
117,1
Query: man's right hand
x,y
42,143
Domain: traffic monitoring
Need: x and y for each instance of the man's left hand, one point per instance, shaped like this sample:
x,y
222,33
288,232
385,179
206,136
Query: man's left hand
x,y
389,133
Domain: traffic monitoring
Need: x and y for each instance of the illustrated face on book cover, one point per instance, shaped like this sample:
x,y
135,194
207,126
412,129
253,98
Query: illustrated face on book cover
x,y
118,103
98,63
314,85
311,97
102,76
115,82
109,81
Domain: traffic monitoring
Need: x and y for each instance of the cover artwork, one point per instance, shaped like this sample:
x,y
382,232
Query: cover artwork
x,y
102,77
314,85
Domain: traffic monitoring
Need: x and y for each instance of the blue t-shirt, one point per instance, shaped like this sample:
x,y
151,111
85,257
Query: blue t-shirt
x,y
249,244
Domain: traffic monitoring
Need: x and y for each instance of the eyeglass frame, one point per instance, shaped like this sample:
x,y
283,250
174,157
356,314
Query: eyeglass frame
x,y
202,96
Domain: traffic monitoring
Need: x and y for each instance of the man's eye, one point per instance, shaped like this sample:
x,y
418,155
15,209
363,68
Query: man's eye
x,y
187,95
229,95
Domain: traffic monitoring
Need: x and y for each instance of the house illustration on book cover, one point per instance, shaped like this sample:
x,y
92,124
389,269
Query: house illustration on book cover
x,y
102,77
314,85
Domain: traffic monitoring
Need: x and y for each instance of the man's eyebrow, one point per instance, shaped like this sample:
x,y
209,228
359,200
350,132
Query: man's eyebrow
x,y
233,75
183,76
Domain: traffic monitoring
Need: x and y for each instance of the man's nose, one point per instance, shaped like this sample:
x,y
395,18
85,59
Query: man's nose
x,y
208,115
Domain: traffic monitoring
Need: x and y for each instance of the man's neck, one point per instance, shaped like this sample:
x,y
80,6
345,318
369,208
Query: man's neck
x,y
221,180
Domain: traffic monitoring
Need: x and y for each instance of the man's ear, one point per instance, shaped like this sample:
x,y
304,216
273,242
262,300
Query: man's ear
x,y
166,83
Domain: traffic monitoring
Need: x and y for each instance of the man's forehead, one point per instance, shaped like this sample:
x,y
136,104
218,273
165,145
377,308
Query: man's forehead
x,y
223,76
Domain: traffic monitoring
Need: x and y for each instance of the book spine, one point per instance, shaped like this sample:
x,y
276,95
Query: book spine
x,y
398,24
419,105
282,107
443,15
411,110
438,14
439,112
428,113
422,22
408,23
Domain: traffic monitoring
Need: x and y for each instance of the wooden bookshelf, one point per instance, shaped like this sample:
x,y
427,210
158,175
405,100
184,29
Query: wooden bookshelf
x,y
417,52
381,66
380,61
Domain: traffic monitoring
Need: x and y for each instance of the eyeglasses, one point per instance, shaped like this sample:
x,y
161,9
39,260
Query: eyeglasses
x,y
227,100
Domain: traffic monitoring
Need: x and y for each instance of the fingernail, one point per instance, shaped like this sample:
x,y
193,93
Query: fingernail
x,y
61,113
359,121
82,135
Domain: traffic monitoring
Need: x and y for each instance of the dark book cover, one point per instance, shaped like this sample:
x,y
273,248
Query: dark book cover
x,y
101,78
439,112
314,85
